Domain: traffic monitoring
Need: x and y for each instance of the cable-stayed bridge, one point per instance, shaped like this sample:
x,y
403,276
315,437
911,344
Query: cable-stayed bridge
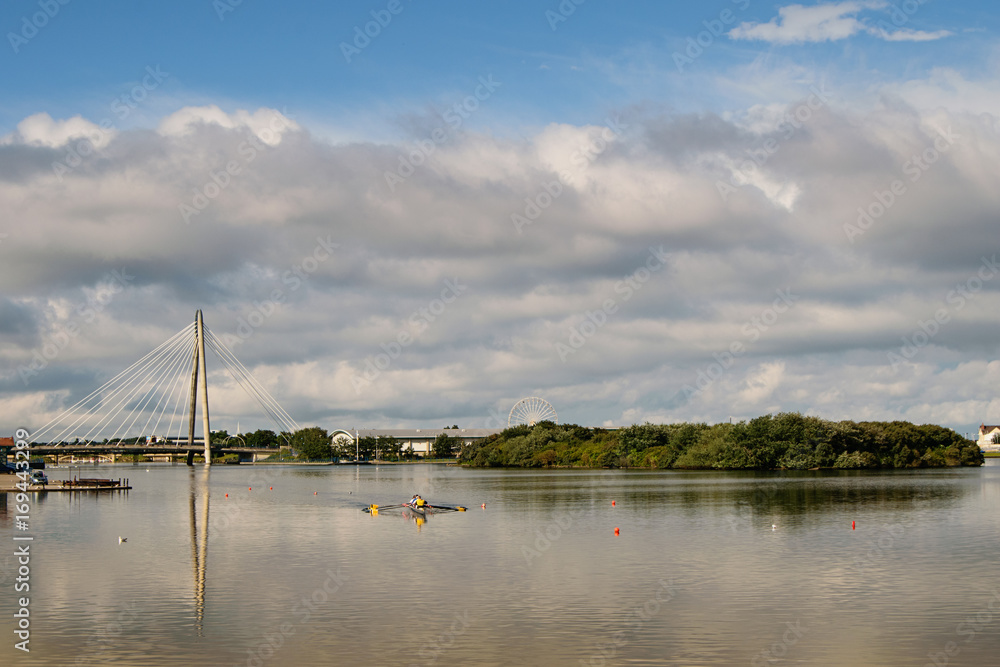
x,y
155,400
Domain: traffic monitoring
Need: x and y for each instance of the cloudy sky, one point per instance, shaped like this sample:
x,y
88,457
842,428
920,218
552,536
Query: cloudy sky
x,y
401,213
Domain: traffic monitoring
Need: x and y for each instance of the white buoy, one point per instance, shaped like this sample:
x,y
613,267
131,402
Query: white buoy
x,y
774,526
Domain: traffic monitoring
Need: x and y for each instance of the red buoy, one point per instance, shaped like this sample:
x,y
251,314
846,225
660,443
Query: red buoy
x,y
227,495
616,530
612,503
249,488
852,525
271,488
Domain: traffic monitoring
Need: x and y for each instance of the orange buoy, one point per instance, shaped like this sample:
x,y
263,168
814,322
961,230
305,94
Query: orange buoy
x,y
852,525
616,530
227,495
315,492
483,505
249,488
271,488
612,503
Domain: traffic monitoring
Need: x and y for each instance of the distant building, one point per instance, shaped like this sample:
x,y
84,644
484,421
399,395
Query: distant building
x,y
6,444
986,434
421,439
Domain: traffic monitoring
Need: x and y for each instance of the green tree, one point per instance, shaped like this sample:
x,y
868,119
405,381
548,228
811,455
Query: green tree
x,y
261,439
366,447
312,443
343,448
389,449
445,446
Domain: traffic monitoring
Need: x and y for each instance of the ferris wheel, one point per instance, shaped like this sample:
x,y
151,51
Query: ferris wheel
x,y
530,411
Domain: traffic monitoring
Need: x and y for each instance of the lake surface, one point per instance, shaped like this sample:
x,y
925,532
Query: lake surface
x,y
696,574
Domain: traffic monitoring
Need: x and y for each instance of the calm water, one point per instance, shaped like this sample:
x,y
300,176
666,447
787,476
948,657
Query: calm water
x,y
298,575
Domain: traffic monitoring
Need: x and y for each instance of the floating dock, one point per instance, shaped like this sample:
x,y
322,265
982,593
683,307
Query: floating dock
x,y
8,483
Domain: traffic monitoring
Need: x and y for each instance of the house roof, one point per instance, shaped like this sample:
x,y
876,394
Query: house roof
x,y
986,428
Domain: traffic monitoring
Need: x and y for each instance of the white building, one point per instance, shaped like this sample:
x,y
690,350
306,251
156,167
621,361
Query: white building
x,y
421,439
986,435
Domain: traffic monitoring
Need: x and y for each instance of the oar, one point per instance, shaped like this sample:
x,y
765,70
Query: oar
x,y
372,508
444,507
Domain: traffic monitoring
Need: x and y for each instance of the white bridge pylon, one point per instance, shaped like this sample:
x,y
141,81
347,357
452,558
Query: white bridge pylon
x,y
150,393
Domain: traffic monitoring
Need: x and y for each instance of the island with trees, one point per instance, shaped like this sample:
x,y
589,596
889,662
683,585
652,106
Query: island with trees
x,y
772,442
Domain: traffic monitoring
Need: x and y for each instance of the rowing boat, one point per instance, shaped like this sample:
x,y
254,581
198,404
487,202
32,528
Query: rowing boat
x,y
420,510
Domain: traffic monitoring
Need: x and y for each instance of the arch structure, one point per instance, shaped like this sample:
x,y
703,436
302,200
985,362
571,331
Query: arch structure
x,y
340,431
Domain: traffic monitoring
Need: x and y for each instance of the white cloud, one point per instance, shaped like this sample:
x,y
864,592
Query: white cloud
x,y
798,24
254,242
41,129
267,124
908,35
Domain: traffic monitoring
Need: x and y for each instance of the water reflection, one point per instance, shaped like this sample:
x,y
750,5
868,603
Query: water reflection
x,y
198,481
697,576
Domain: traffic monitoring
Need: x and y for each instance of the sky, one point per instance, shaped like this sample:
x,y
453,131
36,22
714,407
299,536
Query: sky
x,y
411,214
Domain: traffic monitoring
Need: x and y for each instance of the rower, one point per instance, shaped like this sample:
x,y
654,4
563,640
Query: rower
x,y
417,500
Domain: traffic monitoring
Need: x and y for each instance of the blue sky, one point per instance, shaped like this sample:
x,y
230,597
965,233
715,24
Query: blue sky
x,y
842,154
289,55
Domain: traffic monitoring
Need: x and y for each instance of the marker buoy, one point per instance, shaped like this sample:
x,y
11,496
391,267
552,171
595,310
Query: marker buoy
x,y
271,488
852,525
616,530
483,505
227,495
315,492
249,488
612,503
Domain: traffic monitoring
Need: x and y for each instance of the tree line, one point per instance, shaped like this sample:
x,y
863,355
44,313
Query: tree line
x,y
314,444
787,440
